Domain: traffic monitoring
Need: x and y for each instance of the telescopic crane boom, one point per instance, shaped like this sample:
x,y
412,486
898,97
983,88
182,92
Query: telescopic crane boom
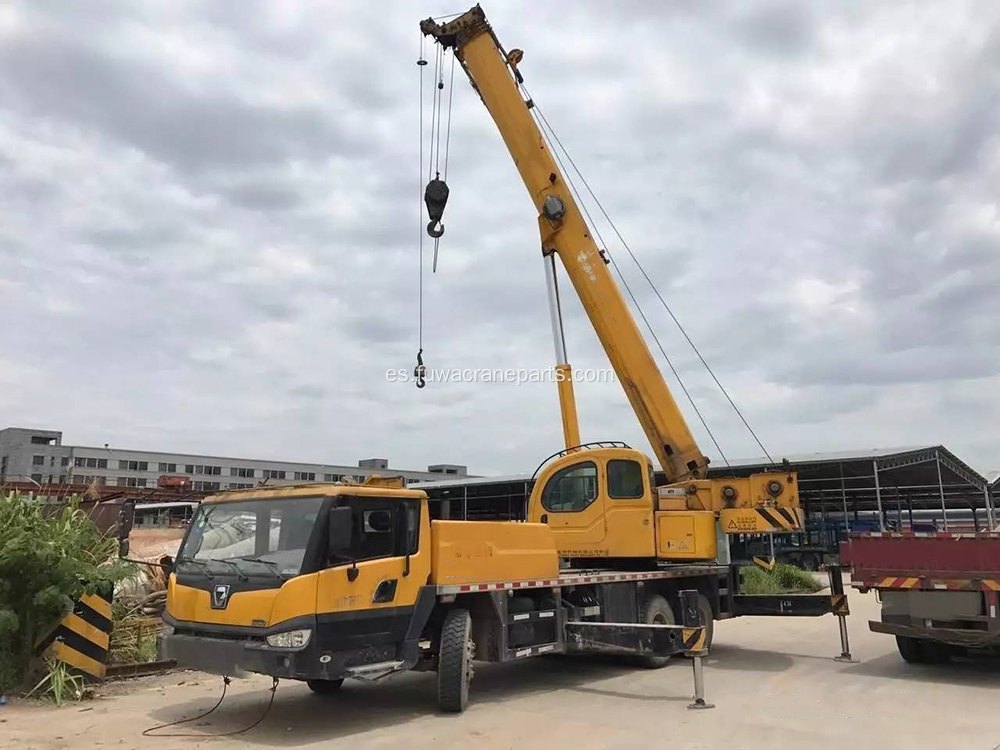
x,y
603,503
564,232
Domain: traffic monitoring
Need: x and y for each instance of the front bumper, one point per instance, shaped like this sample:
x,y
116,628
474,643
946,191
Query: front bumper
x,y
234,651
235,658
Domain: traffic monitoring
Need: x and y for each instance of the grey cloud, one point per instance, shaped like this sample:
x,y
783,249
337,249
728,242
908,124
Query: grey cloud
x,y
784,28
263,196
310,392
240,239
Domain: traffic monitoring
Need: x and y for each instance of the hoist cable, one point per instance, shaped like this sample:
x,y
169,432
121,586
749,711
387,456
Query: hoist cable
x,y
545,128
421,63
656,291
434,112
439,78
447,137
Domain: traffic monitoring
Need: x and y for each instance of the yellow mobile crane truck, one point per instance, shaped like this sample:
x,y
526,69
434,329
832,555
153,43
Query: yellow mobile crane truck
x,y
322,582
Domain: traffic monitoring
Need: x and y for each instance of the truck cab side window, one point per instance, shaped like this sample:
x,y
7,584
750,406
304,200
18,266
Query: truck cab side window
x,y
571,489
624,479
411,516
382,527
375,527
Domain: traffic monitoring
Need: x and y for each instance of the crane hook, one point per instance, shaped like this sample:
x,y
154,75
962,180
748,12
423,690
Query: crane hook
x,y
436,197
420,371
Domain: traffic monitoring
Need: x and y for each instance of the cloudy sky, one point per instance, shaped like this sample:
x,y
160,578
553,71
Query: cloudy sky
x,y
208,225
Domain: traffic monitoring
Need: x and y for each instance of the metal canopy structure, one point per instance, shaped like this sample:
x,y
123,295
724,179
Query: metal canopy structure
x,y
479,498
890,487
891,483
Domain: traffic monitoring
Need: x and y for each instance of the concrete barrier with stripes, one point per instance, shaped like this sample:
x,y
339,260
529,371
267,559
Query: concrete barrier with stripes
x,y
82,638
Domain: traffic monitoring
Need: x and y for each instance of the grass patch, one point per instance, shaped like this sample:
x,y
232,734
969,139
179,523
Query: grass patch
x,y
133,636
59,684
784,579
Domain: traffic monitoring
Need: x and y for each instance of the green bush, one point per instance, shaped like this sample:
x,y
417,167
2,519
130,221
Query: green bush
x,y
47,560
784,579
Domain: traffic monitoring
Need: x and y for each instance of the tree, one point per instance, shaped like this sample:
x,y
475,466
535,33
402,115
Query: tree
x,y
47,561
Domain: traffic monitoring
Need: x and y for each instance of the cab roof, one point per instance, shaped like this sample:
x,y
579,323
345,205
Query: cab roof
x,y
325,489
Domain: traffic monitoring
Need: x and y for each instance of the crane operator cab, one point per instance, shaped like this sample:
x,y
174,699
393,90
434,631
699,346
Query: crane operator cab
x,y
601,502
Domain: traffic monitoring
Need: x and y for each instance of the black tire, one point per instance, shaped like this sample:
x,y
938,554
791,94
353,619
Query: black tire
x,y
910,649
455,661
936,653
325,687
810,563
708,619
656,611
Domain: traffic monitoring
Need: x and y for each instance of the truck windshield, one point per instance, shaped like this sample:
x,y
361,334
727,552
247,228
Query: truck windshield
x,y
261,537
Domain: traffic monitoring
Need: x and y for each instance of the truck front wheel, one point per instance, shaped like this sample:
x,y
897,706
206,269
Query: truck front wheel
x,y
910,649
455,661
325,687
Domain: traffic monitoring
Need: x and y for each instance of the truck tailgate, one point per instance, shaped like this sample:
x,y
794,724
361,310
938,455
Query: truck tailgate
x,y
941,555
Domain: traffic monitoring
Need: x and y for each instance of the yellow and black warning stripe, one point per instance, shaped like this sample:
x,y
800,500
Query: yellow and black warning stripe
x,y
83,637
839,606
761,520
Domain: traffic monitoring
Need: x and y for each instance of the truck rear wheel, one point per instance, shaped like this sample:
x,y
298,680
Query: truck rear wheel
x,y
656,611
910,649
325,687
455,661
935,652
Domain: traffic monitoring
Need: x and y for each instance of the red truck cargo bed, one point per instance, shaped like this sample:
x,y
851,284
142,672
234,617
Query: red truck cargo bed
x,y
930,556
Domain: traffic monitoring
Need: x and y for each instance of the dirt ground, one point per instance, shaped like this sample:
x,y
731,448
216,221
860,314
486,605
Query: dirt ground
x,y
149,544
772,680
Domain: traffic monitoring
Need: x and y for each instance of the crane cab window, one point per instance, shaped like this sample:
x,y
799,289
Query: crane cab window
x,y
382,527
624,479
571,489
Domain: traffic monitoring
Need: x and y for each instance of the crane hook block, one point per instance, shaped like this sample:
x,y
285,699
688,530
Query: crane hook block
x,y
420,372
436,197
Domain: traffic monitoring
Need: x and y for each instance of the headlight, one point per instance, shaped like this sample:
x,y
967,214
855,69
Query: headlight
x,y
290,639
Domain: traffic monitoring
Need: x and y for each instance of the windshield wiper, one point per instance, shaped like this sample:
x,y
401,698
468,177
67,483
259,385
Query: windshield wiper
x,y
206,564
202,563
271,565
239,572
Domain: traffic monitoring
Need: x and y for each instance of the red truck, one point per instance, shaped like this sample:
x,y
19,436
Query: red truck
x,y
939,591
174,481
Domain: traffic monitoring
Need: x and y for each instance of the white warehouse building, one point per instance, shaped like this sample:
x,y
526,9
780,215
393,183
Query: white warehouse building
x,y
39,456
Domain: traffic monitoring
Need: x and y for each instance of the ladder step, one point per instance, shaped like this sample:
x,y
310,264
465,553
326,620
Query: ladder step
x,y
542,648
374,671
542,614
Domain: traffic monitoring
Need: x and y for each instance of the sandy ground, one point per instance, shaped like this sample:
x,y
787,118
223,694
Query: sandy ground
x,y
772,680
149,544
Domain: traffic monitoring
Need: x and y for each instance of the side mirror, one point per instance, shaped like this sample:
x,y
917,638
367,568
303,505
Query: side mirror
x,y
126,518
339,532
167,563
379,521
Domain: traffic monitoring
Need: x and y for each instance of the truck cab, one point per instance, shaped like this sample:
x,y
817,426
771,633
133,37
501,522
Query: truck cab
x,y
303,582
325,581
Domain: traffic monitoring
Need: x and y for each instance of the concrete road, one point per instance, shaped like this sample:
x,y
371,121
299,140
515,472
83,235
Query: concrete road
x,y
772,680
